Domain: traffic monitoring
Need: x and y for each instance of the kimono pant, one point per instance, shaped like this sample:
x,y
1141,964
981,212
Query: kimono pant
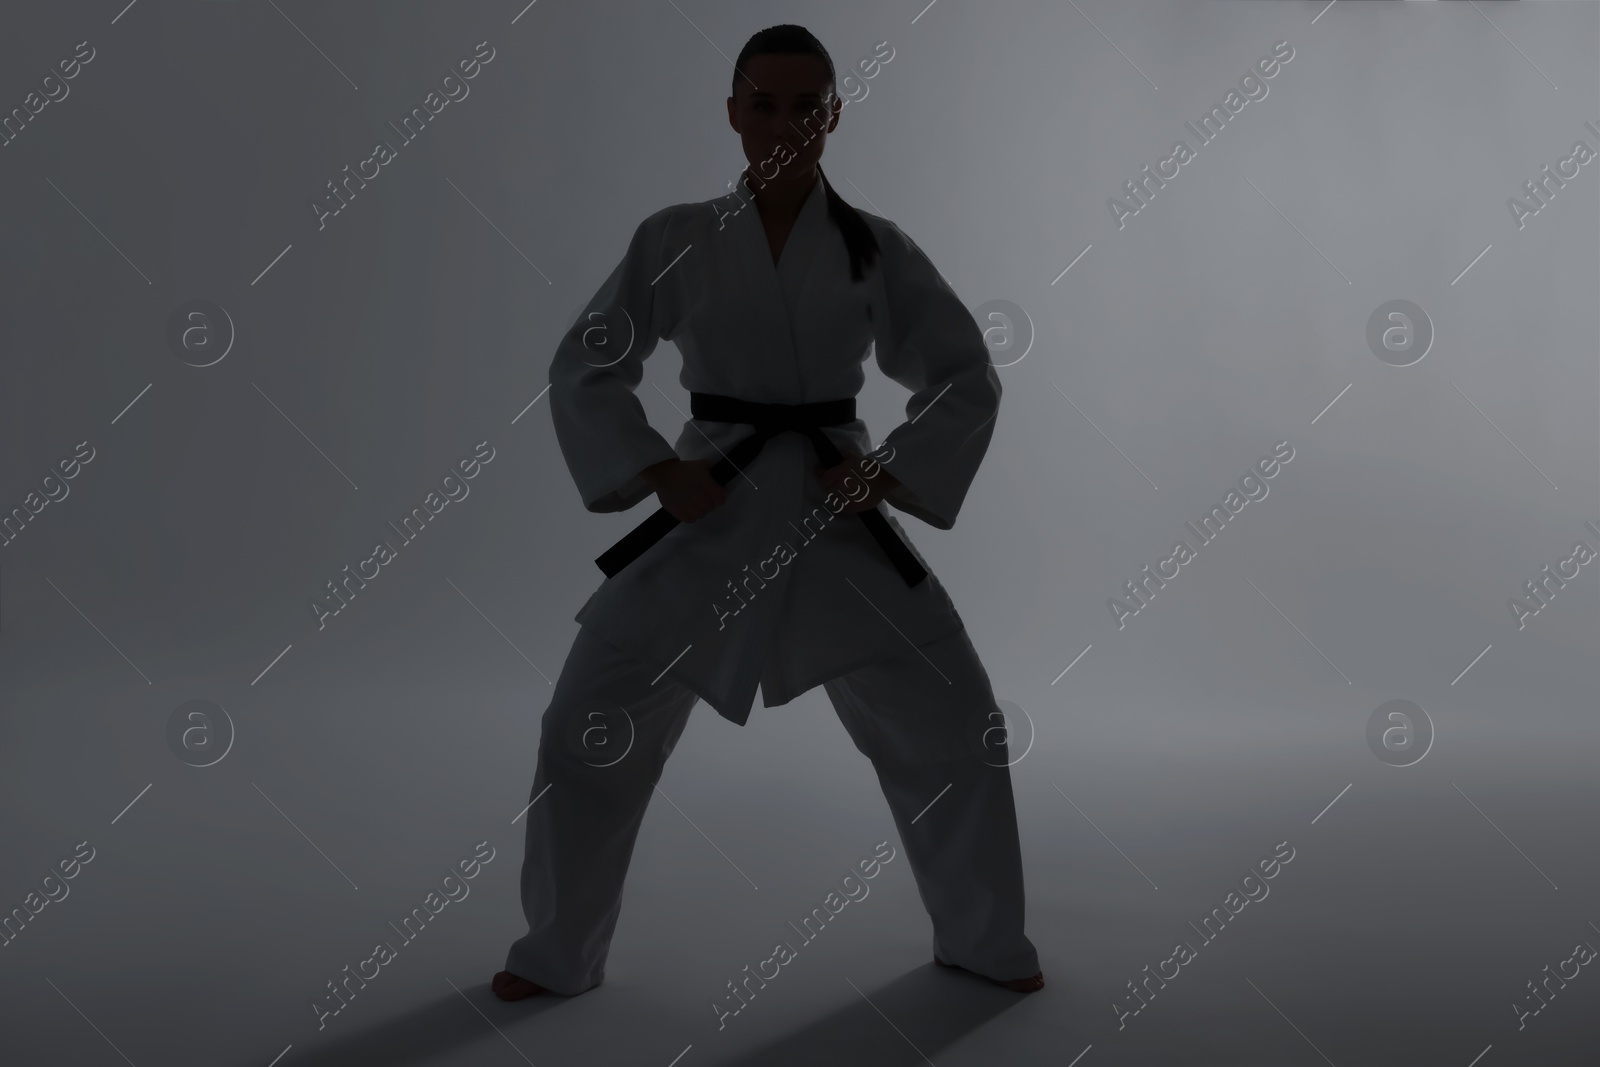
x,y
952,805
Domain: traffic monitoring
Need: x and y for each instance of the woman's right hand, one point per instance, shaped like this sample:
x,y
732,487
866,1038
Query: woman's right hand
x,y
685,487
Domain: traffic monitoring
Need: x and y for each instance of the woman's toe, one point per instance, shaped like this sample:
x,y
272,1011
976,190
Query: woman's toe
x,y
508,986
1026,985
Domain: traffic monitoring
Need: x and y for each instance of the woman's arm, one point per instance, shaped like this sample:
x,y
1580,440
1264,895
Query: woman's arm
x,y
600,425
927,340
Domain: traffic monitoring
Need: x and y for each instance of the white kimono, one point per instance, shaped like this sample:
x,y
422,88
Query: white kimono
x,y
795,332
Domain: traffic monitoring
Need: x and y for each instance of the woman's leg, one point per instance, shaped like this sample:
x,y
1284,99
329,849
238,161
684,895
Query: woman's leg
x,y
603,742
927,719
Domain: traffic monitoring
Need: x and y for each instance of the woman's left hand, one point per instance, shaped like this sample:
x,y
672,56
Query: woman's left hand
x,y
873,475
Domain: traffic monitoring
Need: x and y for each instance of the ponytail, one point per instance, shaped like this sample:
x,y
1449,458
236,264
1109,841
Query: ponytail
x,y
858,236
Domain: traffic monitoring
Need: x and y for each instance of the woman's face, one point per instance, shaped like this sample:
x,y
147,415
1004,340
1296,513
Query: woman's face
x,y
790,108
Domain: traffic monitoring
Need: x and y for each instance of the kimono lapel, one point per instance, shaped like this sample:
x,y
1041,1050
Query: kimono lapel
x,y
776,288
793,267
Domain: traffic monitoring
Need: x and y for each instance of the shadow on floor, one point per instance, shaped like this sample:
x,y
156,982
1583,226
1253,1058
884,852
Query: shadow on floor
x,y
907,1021
904,1022
434,1029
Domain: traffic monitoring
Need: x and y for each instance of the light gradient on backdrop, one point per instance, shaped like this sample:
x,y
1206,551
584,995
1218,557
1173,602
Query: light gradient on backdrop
x,y
1381,658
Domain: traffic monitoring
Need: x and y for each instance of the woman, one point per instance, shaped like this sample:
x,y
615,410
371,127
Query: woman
x,y
770,518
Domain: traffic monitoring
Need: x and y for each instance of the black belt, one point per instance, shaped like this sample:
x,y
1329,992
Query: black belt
x,y
769,420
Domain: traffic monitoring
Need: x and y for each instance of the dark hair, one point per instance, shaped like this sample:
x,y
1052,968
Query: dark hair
x,y
788,40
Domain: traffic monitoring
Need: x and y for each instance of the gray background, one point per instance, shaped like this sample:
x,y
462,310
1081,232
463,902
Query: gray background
x,y
1222,319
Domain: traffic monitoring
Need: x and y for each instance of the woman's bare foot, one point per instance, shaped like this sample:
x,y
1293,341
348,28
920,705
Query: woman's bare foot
x,y
1016,985
508,986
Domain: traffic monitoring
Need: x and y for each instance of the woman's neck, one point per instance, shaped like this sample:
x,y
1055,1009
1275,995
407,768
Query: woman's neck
x,y
780,199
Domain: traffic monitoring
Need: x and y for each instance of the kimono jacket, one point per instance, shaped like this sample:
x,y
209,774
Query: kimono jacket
x,y
703,605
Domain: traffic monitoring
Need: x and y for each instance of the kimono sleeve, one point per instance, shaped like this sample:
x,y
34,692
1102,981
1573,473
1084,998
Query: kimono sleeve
x,y
931,344
600,425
